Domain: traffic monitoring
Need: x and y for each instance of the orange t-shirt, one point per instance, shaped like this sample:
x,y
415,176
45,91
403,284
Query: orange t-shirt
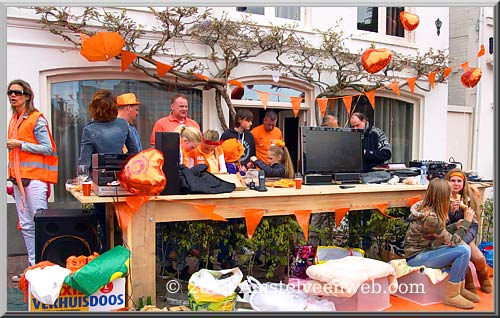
x,y
263,141
214,160
168,124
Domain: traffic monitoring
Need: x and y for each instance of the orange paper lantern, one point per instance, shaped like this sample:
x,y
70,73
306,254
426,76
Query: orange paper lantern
x,y
409,21
143,173
471,77
374,60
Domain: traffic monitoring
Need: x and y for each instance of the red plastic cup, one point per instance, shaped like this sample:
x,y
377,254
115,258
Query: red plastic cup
x,y
86,188
298,183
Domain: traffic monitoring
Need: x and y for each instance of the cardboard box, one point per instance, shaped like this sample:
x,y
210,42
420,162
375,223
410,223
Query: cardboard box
x,y
110,297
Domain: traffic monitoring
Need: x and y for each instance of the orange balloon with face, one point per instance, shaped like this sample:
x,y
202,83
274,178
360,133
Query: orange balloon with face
x,y
374,60
409,21
143,173
471,77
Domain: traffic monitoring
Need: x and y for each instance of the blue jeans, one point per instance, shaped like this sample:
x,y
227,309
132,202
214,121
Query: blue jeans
x,y
458,257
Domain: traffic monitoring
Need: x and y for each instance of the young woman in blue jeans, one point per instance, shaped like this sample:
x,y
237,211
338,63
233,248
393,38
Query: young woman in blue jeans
x,y
431,243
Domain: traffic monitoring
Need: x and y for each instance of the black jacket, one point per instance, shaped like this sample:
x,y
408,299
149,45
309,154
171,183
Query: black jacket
x,y
274,170
246,138
199,180
376,147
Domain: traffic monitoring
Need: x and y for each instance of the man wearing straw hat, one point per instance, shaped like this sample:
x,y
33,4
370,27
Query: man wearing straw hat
x,y
128,108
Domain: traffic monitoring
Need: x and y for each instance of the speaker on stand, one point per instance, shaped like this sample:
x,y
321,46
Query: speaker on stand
x,y
61,233
168,143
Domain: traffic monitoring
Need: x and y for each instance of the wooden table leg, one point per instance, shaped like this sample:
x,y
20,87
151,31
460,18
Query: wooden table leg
x,y
110,224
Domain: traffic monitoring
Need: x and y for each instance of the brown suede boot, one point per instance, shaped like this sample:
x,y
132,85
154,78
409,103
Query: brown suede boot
x,y
467,294
484,281
453,298
469,281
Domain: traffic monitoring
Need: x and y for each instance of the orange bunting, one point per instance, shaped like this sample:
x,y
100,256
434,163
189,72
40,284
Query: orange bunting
x,y
411,83
124,214
395,87
339,215
162,69
264,97
235,83
208,210
303,217
295,104
413,200
252,219
127,59
481,51
382,208
371,97
347,103
135,202
447,71
202,77
465,66
322,102
432,78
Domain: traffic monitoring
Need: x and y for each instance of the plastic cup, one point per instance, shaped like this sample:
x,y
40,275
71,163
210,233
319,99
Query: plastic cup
x,y
86,188
298,183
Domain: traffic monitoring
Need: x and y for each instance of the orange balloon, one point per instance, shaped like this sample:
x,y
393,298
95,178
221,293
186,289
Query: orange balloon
x,y
374,60
471,77
143,173
237,92
408,20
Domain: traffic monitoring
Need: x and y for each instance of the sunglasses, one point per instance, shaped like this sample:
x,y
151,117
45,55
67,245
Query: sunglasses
x,y
15,92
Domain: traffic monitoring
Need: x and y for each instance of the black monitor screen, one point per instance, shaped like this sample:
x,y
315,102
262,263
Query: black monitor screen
x,y
330,150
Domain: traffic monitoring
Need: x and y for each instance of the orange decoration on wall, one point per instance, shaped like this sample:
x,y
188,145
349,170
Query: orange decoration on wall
x,y
102,47
471,77
235,83
371,98
127,59
465,66
447,71
375,60
432,78
143,173
411,83
295,104
481,51
200,76
303,217
264,97
252,219
322,102
339,215
347,103
409,21
162,68
395,87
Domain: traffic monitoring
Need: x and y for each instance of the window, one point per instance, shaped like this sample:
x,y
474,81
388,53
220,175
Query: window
x,y
70,113
278,93
375,19
393,116
292,13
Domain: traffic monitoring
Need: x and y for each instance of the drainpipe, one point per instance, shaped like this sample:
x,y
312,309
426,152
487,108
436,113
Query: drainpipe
x,y
475,128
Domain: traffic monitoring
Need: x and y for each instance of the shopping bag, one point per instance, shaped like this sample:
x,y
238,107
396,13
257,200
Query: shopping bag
x,y
326,253
303,258
487,250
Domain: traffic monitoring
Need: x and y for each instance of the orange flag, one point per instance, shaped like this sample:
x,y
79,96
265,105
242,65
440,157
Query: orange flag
x,y
465,66
339,215
371,97
83,37
303,217
413,200
295,104
432,78
135,202
200,76
124,213
252,219
236,83
127,59
395,87
411,84
322,105
447,71
347,103
382,208
481,51
264,97
208,210
162,69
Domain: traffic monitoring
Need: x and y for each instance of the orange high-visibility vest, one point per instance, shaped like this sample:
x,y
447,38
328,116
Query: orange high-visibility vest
x,y
33,166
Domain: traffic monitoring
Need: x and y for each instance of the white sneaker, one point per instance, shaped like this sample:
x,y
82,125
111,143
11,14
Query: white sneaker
x,y
247,251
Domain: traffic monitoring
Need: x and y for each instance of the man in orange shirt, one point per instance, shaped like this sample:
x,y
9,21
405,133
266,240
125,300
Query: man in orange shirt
x,y
266,134
178,116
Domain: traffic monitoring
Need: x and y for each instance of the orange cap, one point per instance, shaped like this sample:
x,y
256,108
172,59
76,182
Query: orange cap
x,y
233,150
126,100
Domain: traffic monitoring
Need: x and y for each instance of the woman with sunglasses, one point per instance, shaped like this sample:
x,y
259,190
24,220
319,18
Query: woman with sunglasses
x,y
33,162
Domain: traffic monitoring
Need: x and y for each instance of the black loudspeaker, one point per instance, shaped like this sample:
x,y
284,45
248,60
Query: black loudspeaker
x,y
315,179
168,143
61,233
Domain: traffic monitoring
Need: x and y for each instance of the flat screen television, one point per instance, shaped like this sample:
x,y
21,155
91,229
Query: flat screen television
x,y
326,151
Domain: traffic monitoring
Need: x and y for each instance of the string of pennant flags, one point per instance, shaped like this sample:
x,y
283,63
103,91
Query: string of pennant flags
x,y
125,211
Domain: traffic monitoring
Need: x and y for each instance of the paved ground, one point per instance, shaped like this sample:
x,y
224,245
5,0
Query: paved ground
x,y
15,265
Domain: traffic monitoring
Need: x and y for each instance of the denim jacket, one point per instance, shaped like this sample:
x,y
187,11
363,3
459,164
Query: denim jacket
x,y
108,137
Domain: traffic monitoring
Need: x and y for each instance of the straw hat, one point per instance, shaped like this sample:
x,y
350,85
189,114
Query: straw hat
x,y
126,100
233,150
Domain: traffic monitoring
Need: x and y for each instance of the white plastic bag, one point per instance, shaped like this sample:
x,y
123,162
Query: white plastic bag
x,y
207,284
45,283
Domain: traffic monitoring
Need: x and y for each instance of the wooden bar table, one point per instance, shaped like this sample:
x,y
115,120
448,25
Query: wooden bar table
x,y
140,235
